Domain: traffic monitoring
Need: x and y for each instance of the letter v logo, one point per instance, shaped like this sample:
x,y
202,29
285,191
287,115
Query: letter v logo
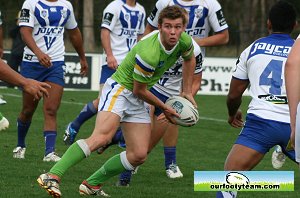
x,y
49,41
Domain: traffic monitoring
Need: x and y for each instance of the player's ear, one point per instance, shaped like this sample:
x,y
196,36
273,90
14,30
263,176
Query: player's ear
x,y
159,27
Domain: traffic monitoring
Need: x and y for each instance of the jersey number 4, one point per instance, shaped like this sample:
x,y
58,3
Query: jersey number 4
x,y
271,76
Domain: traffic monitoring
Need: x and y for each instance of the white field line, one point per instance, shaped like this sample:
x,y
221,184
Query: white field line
x,y
80,103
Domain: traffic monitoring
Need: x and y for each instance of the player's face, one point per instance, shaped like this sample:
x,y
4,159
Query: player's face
x,y
170,31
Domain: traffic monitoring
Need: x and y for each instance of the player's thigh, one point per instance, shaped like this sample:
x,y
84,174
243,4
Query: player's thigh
x,y
242,158
137,137
55,94
105,127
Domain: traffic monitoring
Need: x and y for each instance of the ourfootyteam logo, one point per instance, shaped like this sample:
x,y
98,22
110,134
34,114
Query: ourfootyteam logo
x,y
198,12
237,178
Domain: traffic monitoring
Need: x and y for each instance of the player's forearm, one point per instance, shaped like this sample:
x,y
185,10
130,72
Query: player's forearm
x,y
221,38
10,76
27,38
105,40
77,42
187,74
233,105
140,91
148,97
196,83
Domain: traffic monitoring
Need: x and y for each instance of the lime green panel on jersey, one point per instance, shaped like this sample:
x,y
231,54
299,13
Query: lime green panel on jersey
x,y
147,61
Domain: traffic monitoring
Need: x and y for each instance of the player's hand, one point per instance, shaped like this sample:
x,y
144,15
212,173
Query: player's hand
x,y
44,59
190,98
236,121
36,89
84,67
169,114
112,62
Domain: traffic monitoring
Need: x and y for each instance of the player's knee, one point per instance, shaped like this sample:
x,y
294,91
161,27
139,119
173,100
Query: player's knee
x,y
27,113
236,166
139,158
50,111
96,141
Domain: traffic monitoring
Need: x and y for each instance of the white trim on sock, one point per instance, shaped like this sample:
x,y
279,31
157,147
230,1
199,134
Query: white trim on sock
x,y
125,161
84,147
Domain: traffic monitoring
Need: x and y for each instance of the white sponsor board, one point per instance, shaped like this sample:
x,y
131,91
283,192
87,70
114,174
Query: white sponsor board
x,y
216,75
216,78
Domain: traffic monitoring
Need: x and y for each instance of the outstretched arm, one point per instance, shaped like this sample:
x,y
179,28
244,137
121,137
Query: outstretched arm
x,y
33,87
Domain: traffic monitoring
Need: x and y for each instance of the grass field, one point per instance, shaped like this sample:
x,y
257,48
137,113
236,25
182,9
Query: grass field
x,y
203,147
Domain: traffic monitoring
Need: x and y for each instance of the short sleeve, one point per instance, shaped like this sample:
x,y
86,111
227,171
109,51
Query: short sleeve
x,y
216,17
153,17
240,71
27,15
110,16
71,22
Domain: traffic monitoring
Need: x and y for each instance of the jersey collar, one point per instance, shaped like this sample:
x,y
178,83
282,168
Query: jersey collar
x,y
163,47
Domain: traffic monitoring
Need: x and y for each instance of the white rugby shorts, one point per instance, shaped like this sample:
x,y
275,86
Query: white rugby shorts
x,y
117,99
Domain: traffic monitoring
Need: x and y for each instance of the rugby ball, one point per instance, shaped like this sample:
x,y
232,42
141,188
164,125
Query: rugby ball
x,y
189,115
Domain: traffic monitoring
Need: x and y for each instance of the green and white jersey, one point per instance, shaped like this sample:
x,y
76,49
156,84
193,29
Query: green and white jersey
x,y
148,60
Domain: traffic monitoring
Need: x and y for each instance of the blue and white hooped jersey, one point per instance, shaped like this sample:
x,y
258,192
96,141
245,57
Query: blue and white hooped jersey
x,y
48,20
125,24
204,15
262,63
